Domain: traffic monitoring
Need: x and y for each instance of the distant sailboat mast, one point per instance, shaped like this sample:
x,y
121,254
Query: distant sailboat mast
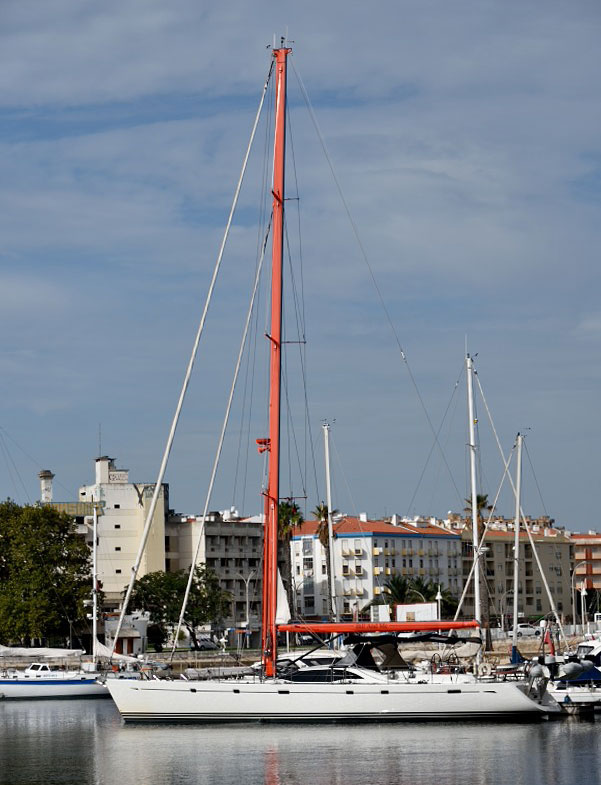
x,y
469,366
516,548
332,582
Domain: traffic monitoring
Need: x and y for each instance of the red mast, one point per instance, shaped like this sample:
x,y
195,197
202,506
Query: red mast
x,y
272,492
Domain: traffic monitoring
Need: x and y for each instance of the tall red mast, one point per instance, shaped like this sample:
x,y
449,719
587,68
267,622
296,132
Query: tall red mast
x,y
272,492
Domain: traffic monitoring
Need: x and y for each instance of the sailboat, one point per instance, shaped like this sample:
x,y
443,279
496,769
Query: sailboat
x,y
353,688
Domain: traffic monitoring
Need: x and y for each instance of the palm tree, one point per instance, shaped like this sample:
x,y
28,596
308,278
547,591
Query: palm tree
x,y
289,517
323,535
419,589
397,588
400,591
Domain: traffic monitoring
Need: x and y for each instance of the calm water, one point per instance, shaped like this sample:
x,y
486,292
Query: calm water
x,y
85,743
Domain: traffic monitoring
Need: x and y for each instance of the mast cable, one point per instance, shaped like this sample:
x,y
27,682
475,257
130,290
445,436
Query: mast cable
x,y
220,445
528,532
421,477
188,374
371,272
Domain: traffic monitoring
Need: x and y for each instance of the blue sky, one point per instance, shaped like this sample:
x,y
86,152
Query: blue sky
x,y
466,137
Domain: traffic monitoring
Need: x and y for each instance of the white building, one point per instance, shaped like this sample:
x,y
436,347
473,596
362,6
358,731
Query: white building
x,y
366,554
124,507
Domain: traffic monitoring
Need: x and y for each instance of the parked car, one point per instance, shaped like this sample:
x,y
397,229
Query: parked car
x,y
205,644
527,630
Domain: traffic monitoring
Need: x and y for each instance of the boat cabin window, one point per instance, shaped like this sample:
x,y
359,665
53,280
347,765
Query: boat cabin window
x,y
322,675
583,651
34,668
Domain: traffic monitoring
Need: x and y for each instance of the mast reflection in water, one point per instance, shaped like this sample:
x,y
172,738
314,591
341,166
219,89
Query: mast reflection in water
x,y
85,743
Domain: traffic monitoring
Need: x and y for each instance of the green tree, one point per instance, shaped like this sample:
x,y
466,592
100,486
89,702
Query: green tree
x,y
397,589
44,574
161,594
289,517
321,514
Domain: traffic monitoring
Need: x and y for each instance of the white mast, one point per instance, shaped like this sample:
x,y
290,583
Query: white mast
x,y
95,585
469,367
516,546
332,582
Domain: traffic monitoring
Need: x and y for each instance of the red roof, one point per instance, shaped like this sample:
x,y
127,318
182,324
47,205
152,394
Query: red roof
x,y
352,525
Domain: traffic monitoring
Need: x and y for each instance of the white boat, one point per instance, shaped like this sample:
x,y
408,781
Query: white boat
x,y
41,680
345,694
342,690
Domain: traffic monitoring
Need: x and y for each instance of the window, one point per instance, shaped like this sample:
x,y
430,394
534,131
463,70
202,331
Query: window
x,y
324,569
117,526
539,605
117,547
117,506
118,572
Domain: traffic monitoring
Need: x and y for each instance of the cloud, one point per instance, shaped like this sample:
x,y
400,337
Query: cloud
x,y
466,140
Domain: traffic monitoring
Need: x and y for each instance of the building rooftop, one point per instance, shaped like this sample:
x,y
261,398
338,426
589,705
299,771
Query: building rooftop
x,y
350,525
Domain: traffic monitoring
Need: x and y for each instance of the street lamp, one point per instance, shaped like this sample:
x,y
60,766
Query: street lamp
x,y
583,593
246,581
438,602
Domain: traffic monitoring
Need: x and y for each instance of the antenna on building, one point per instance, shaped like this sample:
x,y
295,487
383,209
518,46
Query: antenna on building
x,y
99,439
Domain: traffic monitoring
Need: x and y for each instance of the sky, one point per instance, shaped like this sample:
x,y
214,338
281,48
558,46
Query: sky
x,y
465,137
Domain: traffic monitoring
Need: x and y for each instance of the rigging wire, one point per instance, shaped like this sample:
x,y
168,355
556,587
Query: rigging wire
x,y
11,468
527,527
480,548
535,480
220,445
372,276
188,374
33,460
302,316
432,448
263,223
436,482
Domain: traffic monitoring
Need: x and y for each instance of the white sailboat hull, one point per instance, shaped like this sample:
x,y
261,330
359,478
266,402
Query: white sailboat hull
x,y
18,688
243,701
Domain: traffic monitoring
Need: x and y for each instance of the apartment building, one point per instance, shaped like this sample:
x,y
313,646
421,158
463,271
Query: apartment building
x,y
587,560
367,553
555,552
232,546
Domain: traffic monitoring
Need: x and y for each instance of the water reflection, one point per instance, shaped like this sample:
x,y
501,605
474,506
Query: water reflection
x,y
84,743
